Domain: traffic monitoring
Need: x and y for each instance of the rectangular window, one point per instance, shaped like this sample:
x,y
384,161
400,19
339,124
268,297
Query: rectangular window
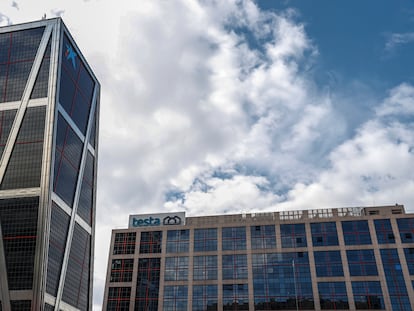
x,y
328,263
204,297
124,243
282,280
356,232
205,240
175,298
150,242
121,270
368,295
409,257
263,237
395,279
333,295
383,228
178,241
234,267
148,280
176,269
205,268
235,297
406,227
293,235
118,299
361,262
324,234
234,238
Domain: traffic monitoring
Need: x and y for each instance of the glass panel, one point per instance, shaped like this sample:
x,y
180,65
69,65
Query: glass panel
x,y
234,238
356,232
76,289
59,226
324,234
293,288
333,295
205,240
118,299
361,262
147,284
24,168
263,237
293,235
17,53
328,263
383,228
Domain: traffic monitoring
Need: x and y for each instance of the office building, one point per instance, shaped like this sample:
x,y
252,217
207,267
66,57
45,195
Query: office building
x,y
327,259
49,103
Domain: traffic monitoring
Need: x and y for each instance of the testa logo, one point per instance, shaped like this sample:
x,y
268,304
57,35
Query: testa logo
x,y
175,220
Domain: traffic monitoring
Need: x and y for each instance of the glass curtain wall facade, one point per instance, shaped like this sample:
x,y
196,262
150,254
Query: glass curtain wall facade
x,y
333,259
49,105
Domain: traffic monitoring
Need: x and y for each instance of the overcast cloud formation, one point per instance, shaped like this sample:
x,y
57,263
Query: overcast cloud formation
x,y
210,107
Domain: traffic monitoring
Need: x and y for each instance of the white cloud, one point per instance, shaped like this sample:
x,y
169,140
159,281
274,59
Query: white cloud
x,y
396,39
374,167
399,103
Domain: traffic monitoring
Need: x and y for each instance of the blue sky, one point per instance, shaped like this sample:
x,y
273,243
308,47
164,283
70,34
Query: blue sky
x,y
234,106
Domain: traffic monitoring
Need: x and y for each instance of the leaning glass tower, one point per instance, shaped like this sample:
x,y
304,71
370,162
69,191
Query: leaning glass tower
x,y
49,112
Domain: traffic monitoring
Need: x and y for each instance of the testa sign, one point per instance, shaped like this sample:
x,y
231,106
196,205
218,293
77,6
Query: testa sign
x,y
154,220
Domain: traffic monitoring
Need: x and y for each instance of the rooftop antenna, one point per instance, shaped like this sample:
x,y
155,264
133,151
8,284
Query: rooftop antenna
x,y
44,16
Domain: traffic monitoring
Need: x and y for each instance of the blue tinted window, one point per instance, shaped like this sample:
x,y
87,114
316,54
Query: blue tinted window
x,y
204,297
356,232
395,280
328,263
361,262
205,240
205,268
288,269
368,295
178,241
383,228
68,154
76,86
176,269
324,234
263,237
293,235
234,238
235,297
175,298
234,267
333,295
118,299
150,242
17,53
409,257
406,225
148,280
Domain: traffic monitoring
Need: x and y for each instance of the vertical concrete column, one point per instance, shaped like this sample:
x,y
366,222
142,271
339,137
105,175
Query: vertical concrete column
x,y
345,266
190,270
219,267
162,269
312,266
249,267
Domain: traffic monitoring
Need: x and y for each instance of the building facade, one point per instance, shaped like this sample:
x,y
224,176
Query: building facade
x,y
49,104
330,259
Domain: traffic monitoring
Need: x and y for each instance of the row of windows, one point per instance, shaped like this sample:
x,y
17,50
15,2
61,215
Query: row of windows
x,y
292,235
327,264
332,296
